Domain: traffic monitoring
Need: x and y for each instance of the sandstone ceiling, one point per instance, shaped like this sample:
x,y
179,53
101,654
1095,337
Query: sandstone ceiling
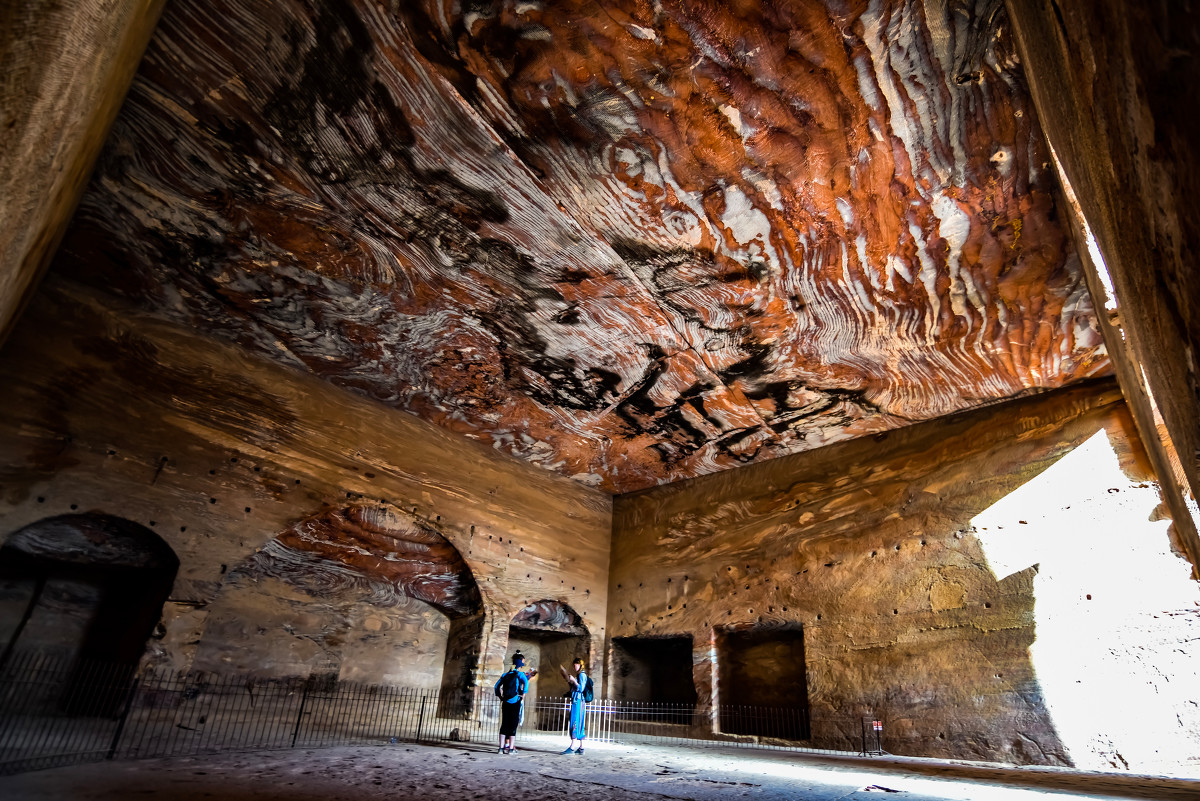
x,y
630,241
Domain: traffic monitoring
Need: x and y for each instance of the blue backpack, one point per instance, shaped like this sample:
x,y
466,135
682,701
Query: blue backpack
x,y
588,690
506,688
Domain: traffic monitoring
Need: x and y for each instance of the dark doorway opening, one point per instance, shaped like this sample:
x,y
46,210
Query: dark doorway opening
x,y
550,635
655,669
85,592
763,683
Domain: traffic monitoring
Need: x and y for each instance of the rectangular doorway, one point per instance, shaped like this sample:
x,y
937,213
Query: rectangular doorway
x,y
763,683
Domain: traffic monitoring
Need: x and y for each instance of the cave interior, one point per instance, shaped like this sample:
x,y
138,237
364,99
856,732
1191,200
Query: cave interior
x,y
831,358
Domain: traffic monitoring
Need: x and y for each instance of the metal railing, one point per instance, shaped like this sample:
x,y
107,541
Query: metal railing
x,y
55,713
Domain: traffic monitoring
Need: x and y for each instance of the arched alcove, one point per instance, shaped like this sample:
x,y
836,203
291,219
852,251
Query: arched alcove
x,y
83,587
365,593
551,635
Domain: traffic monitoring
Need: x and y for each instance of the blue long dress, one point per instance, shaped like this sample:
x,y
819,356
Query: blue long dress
x,y
577,707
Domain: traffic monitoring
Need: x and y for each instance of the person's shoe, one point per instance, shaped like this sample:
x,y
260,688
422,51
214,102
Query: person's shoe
x,y
568,751
579,750
500,750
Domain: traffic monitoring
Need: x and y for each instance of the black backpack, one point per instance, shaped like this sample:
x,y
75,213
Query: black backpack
x,y
507,688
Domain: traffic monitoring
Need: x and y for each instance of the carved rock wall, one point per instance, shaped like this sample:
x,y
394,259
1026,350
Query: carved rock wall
x,y
66,67
978,583
1123,80
284,498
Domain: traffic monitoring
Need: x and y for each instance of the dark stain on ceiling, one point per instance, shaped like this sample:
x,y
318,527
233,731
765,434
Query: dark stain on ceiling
x,y
633,242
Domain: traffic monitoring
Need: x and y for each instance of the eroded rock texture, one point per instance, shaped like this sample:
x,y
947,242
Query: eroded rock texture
x,y
631,242
549,616
978,583
315,530
372,548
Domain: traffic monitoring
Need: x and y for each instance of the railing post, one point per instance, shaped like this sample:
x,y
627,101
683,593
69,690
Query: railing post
x,y
300,715
420,719
116,740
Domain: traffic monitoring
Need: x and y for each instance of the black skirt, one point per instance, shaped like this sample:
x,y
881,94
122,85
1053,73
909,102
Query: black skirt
x,y
510,714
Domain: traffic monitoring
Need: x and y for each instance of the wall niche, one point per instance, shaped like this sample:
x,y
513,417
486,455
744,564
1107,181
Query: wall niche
x,y
763,682
655,669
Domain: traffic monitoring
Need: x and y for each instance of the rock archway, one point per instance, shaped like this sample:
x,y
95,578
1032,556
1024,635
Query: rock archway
x,y
83,587
551,635
365,593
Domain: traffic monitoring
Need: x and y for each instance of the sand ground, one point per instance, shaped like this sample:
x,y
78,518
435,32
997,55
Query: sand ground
x,y
539,773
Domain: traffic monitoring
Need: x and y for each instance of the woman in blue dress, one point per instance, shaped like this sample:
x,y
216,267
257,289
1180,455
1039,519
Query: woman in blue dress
x,y
578,684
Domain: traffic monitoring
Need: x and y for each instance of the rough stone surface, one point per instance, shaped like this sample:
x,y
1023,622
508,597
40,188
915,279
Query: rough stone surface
x,y
629,242
66,68
308,522
538,773
976,620
1122,79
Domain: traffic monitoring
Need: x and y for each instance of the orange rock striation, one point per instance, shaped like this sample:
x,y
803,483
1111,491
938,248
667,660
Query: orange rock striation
x,y
629,242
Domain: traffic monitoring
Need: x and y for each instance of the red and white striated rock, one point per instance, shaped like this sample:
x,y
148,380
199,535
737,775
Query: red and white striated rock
x,y
630,242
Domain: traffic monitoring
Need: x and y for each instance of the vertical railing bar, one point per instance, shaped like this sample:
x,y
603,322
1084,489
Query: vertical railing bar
x,y
300,714
357,714
344,703
51,684
231,721
255,711
360,723
228,713
207,733
283,693
183,689
215,717
381,713
384,730
151,714
188,736
150,680
345,717
370,711
280,693
330,711
203,706
388,724
116,740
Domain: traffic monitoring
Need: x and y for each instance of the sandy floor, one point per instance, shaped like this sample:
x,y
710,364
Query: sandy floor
x,y
539,773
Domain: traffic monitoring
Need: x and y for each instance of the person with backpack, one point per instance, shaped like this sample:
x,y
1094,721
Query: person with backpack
x,y
510,689
581,693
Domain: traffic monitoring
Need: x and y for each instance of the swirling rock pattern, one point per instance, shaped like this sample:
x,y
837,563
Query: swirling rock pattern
x,y
631,242
548,615
376,551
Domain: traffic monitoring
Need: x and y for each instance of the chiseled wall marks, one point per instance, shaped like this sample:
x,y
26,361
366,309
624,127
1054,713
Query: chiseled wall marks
x,y
66,67
870,546
111,411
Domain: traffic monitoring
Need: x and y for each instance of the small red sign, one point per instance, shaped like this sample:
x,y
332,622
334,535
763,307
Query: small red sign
x,y
877,725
